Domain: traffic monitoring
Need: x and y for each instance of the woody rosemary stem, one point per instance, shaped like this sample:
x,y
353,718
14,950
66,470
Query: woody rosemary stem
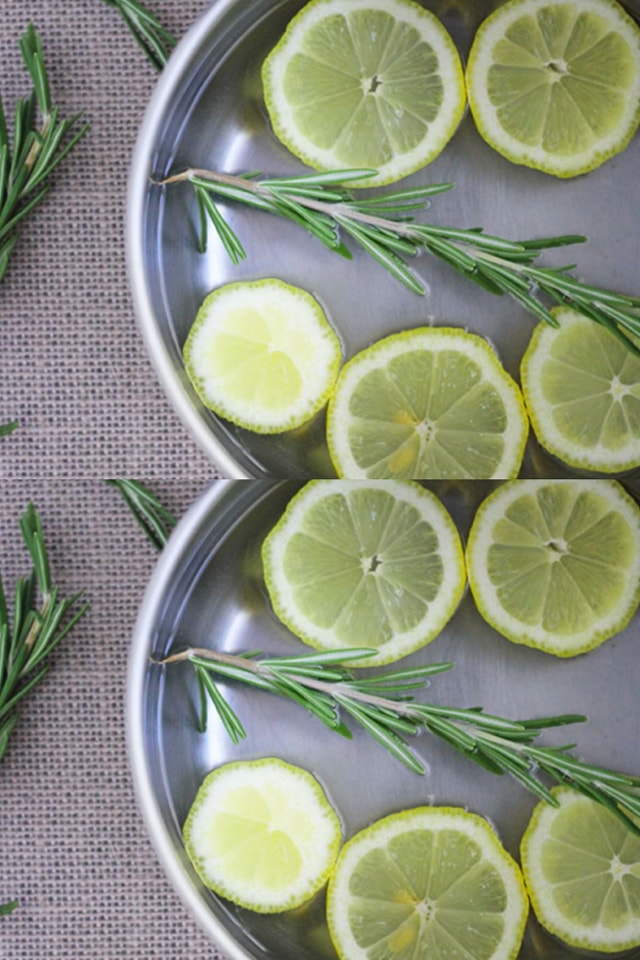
x,y
383,226
383,706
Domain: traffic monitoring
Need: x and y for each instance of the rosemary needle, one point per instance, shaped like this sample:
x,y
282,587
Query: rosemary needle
x,y
40,141
153,517
7,428
383,226
154,39
41,618
384,708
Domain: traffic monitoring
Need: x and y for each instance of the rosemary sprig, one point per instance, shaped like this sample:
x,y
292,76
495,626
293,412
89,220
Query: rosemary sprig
x,y
383,706
41,619
383,226
154,39
7,428
41,140
153,517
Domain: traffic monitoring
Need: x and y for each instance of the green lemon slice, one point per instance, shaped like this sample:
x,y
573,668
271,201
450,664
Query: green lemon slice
x,y
582,389
582,869
263,834
555,84
365,83
262,354
429,882
374,564
556,564
430,403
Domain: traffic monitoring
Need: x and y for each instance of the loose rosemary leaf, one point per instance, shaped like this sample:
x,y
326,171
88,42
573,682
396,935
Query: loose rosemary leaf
x,y
154,39
155,520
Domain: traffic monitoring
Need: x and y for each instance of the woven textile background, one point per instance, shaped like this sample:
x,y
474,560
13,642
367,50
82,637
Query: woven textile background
x,y
73,368
75,374
74,850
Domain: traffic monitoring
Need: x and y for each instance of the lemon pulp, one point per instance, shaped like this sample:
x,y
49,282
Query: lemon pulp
x,y
582,389
556,564
374,564
582,870
365,83
263,834
555,84
428,882
430,403
262,354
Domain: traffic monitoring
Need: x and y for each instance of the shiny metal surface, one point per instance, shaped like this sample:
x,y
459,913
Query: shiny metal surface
x,y
208,590
208,111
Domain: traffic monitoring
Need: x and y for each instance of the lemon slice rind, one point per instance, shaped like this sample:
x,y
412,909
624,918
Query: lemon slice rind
x,y
262,834
431,343
559,162
348,893
440,129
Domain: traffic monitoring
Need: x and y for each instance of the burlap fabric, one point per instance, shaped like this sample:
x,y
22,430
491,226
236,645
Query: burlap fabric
x,y
74,850
73,369
75,374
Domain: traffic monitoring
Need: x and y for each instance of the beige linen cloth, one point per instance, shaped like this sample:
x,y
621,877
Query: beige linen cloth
x,y
74,372
75,852
73,368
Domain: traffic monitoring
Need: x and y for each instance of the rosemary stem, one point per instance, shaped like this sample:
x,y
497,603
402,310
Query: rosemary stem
x,y
36,146
258,189
263,670
322,205
36,626
495,743
460,718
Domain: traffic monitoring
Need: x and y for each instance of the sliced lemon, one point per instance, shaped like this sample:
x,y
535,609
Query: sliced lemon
x,y
582,389
374,564
556,564
428,882
262,354
431,403
365,83
263,834
582,869
555,84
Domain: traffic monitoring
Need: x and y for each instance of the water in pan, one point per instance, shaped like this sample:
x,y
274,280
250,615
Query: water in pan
x,y
216,596
216,118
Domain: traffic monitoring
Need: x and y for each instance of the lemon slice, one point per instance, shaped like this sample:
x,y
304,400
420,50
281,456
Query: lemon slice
x,y
374,564
555,84
428,882
556,564
582,389
263,834
365,83
262,354
582,869
431,403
